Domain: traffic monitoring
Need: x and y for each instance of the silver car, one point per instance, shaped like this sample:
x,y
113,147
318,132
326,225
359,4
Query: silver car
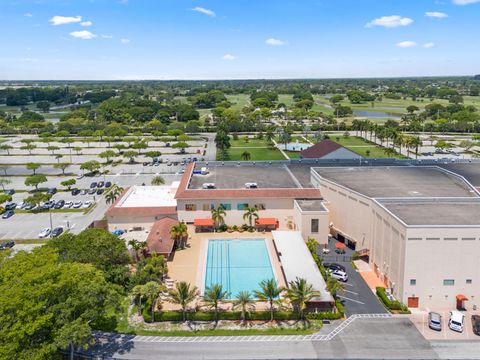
x,y
435,321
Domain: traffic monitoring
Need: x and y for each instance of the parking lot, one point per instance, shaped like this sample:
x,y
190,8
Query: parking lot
x,y
420,320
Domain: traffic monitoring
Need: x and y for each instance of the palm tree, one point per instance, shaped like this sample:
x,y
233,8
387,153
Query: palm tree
x,y
158,180
213,296
218,215
300,293
113,194
183,295
136,293
269,291
137,246
416,142
245,302
250,213
334,286
246,156
179,233
151,290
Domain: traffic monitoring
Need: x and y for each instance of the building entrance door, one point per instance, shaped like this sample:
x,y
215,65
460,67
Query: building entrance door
x,y
413,302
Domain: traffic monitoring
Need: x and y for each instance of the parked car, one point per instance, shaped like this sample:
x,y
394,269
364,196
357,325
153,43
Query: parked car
x,y
48,205
77,204
7,245
75,192
68,204
9,192
100,184
59,204
52,191
80,176
157,164
108,184
44,233
334,266
93,185
11,206
145,163
476,324
100,191
30,206
8,214
457,321
83,192
87,204
56,232
339,275
325,250
434,321
92,191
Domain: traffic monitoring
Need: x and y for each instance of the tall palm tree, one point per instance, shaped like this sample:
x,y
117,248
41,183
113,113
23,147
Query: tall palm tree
x,y
300,293
183,295
245,302
137,293
416,142
137,246
179,233
113,194
151,290
213,296
250,214
158,180
269,291
246,156
334,286
218,215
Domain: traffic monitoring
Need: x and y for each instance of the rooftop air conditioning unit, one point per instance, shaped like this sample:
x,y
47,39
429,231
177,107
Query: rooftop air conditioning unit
x,y
208,186
251,185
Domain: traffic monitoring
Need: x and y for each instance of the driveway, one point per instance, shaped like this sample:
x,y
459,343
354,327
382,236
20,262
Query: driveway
x,y
357,297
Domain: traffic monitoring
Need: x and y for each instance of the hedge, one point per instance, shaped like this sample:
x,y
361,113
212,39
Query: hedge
x,y
389,304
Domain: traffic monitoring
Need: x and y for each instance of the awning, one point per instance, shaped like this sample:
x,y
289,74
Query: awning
x,y
461,297
203,222
266,221
340,245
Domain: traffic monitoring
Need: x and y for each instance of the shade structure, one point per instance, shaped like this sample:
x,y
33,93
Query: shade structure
x,y
461,297
203,222
340,245
266,221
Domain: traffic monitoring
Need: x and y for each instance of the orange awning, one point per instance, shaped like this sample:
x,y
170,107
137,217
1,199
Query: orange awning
x,y
340,245
266,221
203,222
461,297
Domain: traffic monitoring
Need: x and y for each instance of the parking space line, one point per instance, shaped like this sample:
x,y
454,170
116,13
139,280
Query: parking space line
x,y
346,298
351,292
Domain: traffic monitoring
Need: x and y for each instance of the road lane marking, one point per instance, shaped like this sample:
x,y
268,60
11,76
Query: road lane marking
x,y
351,292
346,298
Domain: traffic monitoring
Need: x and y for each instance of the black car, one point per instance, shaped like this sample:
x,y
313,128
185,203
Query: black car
x,y
100,184
75,192
100,191
7,245
334,266
11,206
108,184
145,163
56,232
476,324
7,214
52,191
9,192
59,204
48,205
93,185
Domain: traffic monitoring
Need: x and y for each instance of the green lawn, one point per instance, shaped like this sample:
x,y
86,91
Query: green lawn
x,y
256,154
361,146
293,154
252,142
286,99
239,101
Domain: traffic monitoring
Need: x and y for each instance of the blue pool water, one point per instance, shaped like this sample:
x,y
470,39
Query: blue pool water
x,y
294,146
237,264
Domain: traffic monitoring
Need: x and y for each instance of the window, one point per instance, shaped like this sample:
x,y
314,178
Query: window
x,y
190,207
448,282
242,206
413,282
314,226
261,206
226,206
469,281
206,207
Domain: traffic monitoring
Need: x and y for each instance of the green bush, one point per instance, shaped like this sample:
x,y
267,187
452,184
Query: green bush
x,y
391,305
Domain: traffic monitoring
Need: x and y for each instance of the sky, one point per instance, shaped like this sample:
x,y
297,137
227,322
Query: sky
x,y
237,39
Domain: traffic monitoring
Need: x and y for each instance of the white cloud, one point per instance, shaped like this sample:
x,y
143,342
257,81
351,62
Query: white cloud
x,y
428,45
62,20
465,2
229,57
28,14
83,34
103,36
392,21
204,11
436,14
407,44
86,23
125,41
275,42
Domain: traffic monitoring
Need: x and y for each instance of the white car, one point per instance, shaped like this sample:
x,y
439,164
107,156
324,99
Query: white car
x,y
87,204
77,204
339,275
68,204
457,321
79,177
44,233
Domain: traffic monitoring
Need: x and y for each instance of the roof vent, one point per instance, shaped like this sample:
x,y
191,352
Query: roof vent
x,y
251,185
208,186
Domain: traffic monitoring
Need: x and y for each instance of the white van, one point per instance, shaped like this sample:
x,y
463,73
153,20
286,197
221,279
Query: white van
x,y
457,321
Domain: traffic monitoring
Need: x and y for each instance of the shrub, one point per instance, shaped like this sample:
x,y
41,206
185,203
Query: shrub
x,y
389,304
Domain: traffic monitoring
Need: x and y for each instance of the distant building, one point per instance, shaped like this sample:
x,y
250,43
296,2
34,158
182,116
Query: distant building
x,y
328,149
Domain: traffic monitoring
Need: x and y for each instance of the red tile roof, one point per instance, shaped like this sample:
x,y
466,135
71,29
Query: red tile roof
x,y
159,240
320,149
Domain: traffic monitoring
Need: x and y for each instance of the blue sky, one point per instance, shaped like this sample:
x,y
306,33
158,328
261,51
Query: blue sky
x,y
215,39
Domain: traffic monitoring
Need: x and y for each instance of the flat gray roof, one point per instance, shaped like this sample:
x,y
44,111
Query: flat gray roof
x,y
302,173
388,182
471,172
436,212
235,177
311,205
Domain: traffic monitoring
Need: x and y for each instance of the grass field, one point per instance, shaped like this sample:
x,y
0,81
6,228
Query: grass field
x,y
239,101
361,146
258,149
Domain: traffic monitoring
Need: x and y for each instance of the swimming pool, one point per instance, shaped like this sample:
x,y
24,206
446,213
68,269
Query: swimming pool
x,y
294,146
237,264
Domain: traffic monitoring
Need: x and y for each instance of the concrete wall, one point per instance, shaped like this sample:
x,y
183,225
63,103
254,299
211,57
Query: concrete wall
x,y
127,222
303,222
